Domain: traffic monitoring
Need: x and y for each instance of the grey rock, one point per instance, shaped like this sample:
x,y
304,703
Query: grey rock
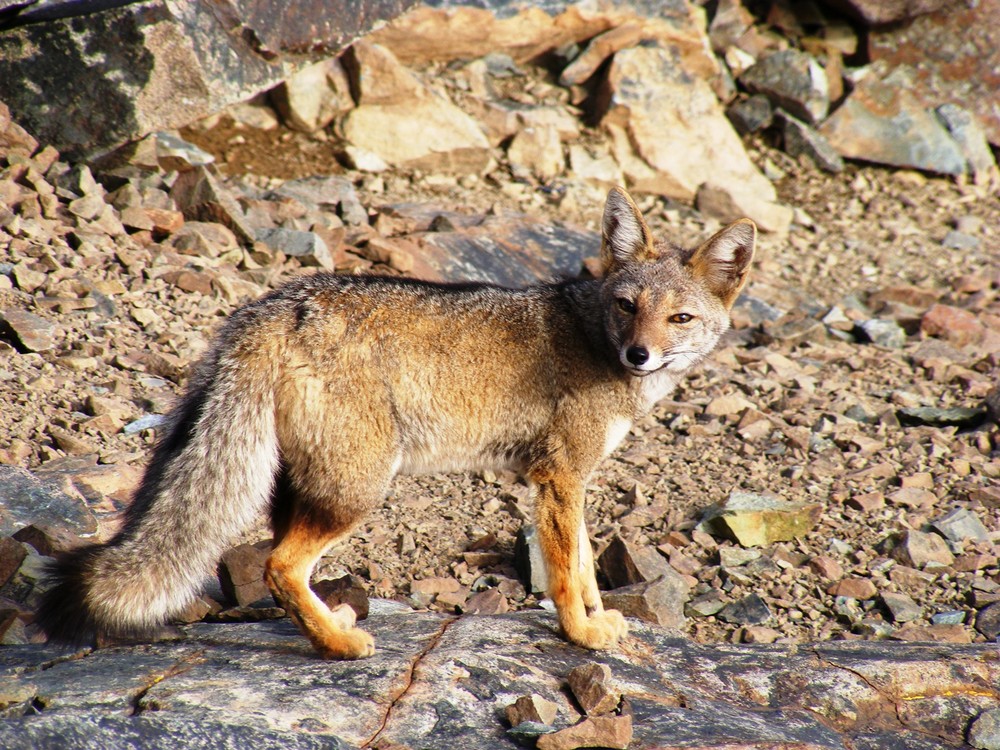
x,y
961,525
881,332
751,114
984,732
27,331
508,250
792,80
705,605
442,684
624,563
145,422
956,240
957,416
971,139
731,557
660,601
308,247
900,607
86,87
324,192
800,139
26,500
528,560
951,617
750,610
951,56
757,310
883,122
992,404
988,620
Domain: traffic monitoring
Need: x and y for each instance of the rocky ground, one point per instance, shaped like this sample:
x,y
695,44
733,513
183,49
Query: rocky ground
x,y
860,378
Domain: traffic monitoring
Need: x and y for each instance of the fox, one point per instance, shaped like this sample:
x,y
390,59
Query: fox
x,y
315,396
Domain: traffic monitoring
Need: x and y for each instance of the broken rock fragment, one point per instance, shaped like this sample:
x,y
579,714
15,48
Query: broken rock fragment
x,y
600,731
883,122
669,131
27,331
532,708
758,520
591,686
407,125
792,80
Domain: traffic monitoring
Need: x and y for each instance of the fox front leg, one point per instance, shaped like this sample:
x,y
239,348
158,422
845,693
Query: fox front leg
x,y
559,517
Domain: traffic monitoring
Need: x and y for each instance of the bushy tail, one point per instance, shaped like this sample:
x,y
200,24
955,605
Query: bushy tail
x,y
209,479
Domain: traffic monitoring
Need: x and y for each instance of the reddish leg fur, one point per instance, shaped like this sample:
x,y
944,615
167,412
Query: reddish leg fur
x,y
331,632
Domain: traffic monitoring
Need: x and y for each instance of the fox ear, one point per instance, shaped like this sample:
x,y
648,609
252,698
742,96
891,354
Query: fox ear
x,y
723,262
625,237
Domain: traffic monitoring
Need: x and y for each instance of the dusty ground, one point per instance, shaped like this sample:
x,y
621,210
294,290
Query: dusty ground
x,y
863,231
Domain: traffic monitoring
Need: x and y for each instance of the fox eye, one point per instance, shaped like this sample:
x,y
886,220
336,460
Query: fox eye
x,y
626,305
681,318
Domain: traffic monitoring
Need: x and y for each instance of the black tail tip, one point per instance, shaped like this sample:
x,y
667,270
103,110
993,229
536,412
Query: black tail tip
x,y
63,614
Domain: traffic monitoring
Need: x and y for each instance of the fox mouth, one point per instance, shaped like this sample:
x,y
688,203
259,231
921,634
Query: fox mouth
x,y
636,372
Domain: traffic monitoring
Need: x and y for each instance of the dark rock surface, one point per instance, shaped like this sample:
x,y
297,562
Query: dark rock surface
x,y
89,83
438,682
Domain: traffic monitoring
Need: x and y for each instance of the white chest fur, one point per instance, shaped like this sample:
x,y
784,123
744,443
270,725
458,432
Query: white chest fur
x,y
657,386
617,431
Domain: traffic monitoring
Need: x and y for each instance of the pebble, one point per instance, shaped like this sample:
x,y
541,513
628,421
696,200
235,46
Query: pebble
x,y
531,708
750,610
28,332
886,333
961,525
917,549
592,688
853,588
984,731
614,732
901,608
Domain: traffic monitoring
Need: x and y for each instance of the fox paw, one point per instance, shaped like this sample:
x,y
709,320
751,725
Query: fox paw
x,y
352,643
601,630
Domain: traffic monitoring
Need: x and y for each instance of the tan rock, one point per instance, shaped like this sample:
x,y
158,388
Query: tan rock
x,y
732,202
855,588
599,731
537,151
591,686
599,49
732,403
756,520
598,169
953,324
379,77
403,123
314,95
675,127
531,708
918,548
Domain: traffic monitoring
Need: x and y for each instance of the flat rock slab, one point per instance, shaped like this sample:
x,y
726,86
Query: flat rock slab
x,y
505,250
443,683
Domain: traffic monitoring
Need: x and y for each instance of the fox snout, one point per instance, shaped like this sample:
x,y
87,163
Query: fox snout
x,y
636,355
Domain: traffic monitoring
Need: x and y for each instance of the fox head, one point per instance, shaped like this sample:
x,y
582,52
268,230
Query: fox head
x,y
665,307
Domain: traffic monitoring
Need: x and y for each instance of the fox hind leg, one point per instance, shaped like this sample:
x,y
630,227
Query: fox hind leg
x,y
303,540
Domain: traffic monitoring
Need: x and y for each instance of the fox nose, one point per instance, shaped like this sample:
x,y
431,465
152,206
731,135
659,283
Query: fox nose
x,y
637,355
